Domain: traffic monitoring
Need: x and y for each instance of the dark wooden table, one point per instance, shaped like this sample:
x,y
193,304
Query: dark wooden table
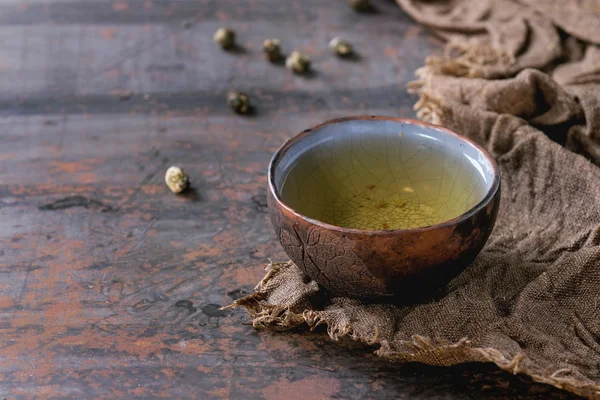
x,y
110,285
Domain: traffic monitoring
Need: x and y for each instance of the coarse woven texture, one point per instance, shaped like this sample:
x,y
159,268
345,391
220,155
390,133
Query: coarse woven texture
x,y
530,302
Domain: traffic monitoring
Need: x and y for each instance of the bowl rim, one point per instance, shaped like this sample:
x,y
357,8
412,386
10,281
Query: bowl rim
x,y
451,222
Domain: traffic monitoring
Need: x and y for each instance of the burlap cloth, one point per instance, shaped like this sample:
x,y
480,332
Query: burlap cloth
x,y
530,302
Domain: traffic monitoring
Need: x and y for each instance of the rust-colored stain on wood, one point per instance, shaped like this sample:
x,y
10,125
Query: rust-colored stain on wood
x,y
110,285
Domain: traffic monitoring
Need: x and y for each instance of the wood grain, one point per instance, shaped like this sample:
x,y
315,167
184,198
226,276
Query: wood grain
x,y
110,285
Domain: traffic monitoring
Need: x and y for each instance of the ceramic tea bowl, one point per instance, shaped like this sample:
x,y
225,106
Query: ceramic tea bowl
x,y
374,206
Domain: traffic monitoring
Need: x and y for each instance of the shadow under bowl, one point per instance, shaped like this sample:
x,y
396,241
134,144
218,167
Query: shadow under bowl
x,y
375,206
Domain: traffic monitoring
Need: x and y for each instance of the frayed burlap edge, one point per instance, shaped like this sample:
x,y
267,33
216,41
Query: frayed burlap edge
x,y
428,107
461,60
420,348
467,60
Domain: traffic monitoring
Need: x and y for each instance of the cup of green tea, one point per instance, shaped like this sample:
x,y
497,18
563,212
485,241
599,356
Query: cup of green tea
x,y
375,206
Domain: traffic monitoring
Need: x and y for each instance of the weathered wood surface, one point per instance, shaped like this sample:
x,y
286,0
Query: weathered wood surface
x,y
109,284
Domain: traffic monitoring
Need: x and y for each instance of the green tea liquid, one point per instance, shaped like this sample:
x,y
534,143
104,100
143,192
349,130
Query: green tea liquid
x,y
377,185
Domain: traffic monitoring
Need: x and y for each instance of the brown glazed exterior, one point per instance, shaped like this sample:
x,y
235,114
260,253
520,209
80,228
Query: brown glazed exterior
x,y
408,264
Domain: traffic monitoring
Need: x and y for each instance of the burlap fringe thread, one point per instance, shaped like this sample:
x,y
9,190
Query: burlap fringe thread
x,y
418,349
459,60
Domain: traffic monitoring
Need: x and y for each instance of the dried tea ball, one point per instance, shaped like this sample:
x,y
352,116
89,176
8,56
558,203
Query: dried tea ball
x,y
340,47
298,62
360,5
225,38
272,49
176,179
239,102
